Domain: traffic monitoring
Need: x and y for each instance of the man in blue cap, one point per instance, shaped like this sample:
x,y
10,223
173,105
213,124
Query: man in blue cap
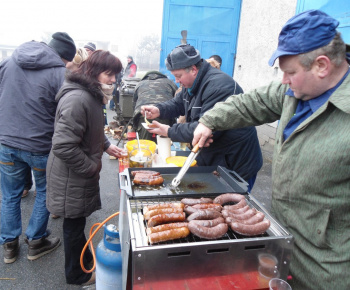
x,y
311,172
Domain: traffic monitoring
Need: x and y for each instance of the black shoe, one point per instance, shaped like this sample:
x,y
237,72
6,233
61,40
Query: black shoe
x,y
41,247
11,250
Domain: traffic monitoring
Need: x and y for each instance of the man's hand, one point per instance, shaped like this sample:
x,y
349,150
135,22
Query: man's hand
x,y
151,111
202,135
115,151
159,129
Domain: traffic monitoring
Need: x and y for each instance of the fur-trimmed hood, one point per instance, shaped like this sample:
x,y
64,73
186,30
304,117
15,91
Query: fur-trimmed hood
x,y
79,82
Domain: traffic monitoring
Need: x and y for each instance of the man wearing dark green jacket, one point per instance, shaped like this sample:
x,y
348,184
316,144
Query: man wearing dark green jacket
x,y
311,164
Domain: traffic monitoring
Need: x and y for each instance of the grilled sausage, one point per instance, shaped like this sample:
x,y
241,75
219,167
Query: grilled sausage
x,y
258,217
214,206
209,223
243,216
166,218
165,227
250,230
238,210
148,180
193,201
189,209
206,232
146,172
163,205
168,235
154,212
228,197
204,214
240,204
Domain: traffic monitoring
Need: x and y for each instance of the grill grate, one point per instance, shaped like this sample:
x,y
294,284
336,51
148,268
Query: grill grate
x,y
136,208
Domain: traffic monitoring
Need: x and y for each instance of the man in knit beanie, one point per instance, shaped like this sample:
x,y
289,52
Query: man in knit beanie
x,y
90,47
29,81
202,87
64,45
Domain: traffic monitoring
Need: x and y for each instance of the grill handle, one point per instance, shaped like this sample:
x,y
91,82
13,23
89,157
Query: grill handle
x,y
124,181
233,179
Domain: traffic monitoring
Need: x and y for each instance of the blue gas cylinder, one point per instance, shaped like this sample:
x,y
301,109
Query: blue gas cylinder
x,y
109,260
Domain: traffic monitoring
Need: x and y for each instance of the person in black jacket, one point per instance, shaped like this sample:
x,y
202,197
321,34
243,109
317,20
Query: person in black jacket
x,y
202,87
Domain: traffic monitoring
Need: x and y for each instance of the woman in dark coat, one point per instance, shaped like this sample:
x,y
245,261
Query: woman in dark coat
x,y
74,164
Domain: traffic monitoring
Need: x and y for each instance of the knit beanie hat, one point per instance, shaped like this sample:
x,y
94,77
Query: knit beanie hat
x,y
182,56
90,46
64,45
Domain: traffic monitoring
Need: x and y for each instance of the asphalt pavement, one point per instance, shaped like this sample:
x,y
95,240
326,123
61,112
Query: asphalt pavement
x,y
48,271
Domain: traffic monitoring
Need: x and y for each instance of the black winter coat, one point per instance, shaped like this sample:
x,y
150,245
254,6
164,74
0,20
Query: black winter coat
x,y
74,164
236,149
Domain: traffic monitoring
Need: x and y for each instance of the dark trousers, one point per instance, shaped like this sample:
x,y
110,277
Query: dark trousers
x,y
74,242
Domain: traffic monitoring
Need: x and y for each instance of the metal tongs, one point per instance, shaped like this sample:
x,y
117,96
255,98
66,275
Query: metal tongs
x,y
195,151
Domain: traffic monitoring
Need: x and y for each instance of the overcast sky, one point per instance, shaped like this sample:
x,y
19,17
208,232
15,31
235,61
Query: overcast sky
x,y
99,20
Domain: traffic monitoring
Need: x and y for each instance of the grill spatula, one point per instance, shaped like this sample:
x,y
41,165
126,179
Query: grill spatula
x,y
194,152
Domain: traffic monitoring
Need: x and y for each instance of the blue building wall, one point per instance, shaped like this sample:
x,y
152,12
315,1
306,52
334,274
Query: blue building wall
x,y
212,28
339,9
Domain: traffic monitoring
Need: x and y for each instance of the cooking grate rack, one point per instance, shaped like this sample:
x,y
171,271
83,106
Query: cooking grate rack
x,y
140,224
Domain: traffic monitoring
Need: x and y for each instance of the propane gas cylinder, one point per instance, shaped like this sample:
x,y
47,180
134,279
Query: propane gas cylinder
x,y
109,260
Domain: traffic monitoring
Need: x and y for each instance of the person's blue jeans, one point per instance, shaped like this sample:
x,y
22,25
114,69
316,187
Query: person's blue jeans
x,y
14,167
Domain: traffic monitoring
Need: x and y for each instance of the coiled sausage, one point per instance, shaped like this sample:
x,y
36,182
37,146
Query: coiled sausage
x,y
204,214
228,197
206,232
243,216
250,230
258,217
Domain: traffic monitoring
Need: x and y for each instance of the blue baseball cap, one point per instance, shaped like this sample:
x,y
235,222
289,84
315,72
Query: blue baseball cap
x,y
305,32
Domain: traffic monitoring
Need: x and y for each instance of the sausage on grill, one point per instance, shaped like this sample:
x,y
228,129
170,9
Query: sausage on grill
x,y
238,210
240,204
165,227
166,218
243,216
163,205
168,235
193,201
206,232
209,223
258,217
145,172
141,179
154,212
250,230
204,214
228,197
214,206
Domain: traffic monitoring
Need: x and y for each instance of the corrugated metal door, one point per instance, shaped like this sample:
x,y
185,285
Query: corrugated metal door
x,y
212,27
339,9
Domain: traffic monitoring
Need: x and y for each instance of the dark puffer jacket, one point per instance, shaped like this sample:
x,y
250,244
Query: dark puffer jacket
x,y
236,149
74,164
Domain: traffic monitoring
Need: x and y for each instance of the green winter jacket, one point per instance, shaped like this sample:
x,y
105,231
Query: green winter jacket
x,y
310,177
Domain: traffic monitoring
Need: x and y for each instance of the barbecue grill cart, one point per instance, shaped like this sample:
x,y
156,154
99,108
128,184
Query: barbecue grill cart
x,y
195,263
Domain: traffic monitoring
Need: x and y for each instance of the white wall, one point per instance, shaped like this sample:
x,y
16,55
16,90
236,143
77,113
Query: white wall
x,y
260,25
